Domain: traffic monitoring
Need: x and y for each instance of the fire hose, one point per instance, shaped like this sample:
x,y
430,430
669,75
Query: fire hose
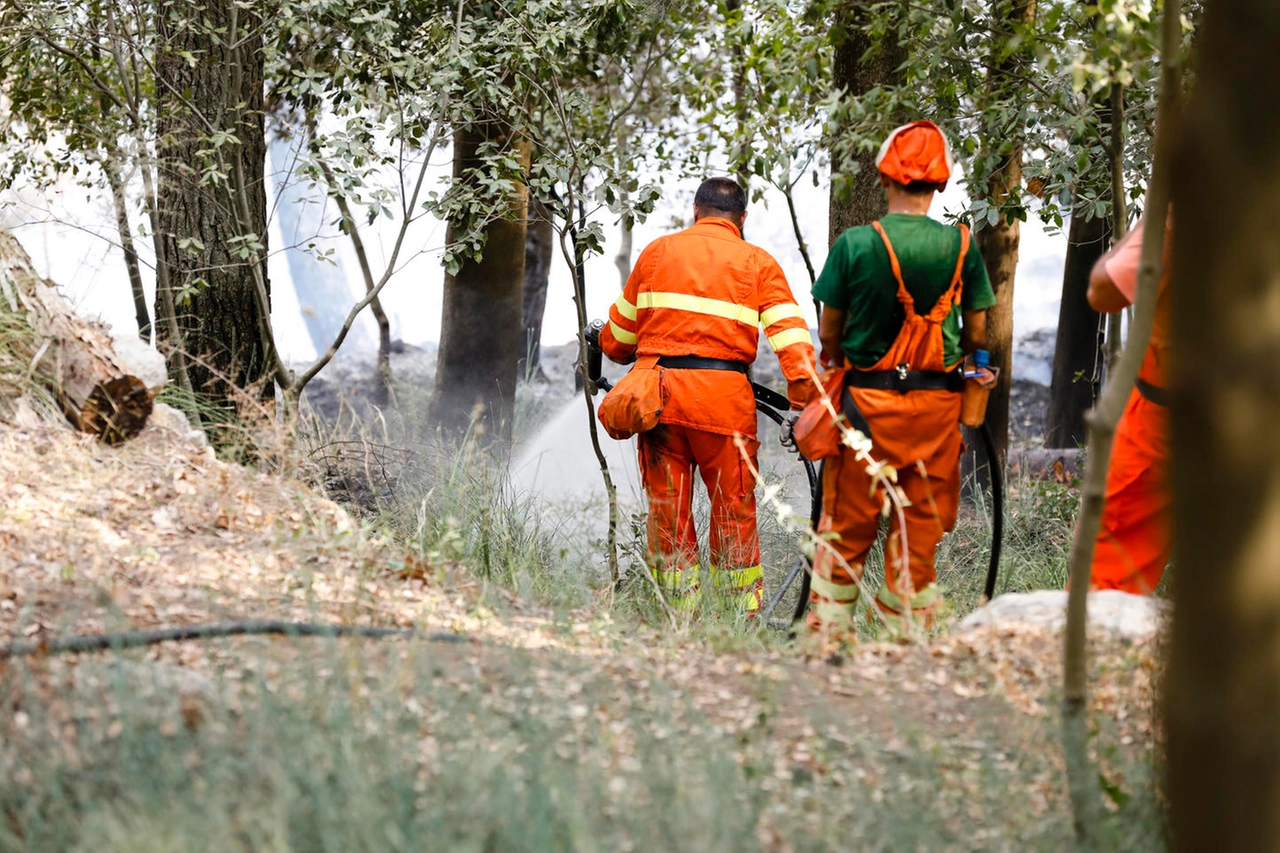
x,y
773,406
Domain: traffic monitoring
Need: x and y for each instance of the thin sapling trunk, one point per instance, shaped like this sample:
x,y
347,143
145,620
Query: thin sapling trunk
x,y
1102,422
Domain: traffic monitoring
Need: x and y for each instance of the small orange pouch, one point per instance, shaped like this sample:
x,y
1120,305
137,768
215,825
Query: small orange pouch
x,y
816,434
635,403
974,396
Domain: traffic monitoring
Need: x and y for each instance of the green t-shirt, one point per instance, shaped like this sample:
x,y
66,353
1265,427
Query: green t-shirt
x,y
859,279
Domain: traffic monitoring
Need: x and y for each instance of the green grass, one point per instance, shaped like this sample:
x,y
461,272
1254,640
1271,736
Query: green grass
x,y
350,748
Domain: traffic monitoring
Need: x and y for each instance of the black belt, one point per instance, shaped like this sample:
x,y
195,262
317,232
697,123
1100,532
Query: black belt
x,y
906,380
697,362
1154,393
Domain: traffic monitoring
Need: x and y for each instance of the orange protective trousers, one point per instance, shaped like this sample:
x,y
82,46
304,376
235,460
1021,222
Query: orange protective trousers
x,y
918,434
668,456
1133,544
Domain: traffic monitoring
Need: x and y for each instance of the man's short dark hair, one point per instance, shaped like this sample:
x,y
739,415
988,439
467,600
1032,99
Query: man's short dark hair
x,y
721,194
923,187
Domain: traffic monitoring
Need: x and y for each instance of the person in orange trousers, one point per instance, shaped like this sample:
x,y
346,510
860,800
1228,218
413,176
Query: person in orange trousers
x,y
903,300
697,299
1134,540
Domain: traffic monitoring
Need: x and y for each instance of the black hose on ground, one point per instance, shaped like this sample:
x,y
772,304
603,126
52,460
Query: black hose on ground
x,y
133,639
997,510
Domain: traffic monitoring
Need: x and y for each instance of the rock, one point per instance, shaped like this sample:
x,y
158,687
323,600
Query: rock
x,y
140,359
1121,614
169,419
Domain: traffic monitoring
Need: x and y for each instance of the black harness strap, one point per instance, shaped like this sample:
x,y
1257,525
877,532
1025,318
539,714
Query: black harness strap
x,y
1154,393
697,362
904,380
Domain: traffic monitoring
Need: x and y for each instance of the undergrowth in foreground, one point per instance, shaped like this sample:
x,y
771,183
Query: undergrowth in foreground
x,y
419,746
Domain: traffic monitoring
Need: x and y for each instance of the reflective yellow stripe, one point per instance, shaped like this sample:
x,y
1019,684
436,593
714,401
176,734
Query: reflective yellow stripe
x,y
685,603
925,598
789,337
625,308
699,305
623,336
780,312
832,590
736,578
833,614
751,600
678,580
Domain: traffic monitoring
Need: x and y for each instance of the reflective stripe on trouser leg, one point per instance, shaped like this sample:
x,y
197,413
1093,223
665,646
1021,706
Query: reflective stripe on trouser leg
x,y
744,586
925,606
680,587
849,524
832,603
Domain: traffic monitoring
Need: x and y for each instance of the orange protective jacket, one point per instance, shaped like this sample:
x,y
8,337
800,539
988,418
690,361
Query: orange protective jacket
x,y
704,291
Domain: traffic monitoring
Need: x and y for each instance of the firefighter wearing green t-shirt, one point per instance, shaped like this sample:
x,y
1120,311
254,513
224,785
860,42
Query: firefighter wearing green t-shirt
x,y
903,300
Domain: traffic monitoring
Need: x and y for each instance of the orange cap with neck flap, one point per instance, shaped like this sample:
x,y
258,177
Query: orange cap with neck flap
x,y
916,152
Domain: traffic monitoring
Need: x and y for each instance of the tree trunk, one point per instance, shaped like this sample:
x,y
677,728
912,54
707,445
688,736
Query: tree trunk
x,y
1223,699
70,357
539,248
999,243
854,73
120,201
208,249
1076,353
740,153
481,332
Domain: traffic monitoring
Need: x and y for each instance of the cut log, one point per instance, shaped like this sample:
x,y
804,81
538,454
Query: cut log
x,y
72,358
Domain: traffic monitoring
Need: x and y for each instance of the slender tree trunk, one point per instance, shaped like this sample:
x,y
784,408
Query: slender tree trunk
x,y
481,333
1119,214
1076,353
740,156
999,242
539,248
120,201
1223,703
855,71
1102,420
217,306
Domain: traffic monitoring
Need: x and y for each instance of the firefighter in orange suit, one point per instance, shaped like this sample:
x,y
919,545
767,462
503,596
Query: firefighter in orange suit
x,y
1133,544
697,298
903,300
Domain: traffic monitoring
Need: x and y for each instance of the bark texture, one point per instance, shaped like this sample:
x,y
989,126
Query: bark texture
x,y
1223,699
72,358
218,311
999,243
539,249
858,68
481,332
1075,356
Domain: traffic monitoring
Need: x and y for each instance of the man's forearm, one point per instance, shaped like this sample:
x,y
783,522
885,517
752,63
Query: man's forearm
x,y
831,334
973,331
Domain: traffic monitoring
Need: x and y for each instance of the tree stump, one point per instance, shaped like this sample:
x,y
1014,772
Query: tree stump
x,y
72,358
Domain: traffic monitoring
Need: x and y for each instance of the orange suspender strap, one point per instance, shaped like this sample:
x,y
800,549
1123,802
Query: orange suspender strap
x,y
904,296
952,297
947,300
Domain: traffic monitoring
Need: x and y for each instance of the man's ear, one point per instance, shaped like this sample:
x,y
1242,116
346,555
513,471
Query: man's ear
x,y
743,220
697,213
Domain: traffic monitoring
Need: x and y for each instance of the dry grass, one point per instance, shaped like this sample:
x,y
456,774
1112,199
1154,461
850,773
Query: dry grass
x,y
579,729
